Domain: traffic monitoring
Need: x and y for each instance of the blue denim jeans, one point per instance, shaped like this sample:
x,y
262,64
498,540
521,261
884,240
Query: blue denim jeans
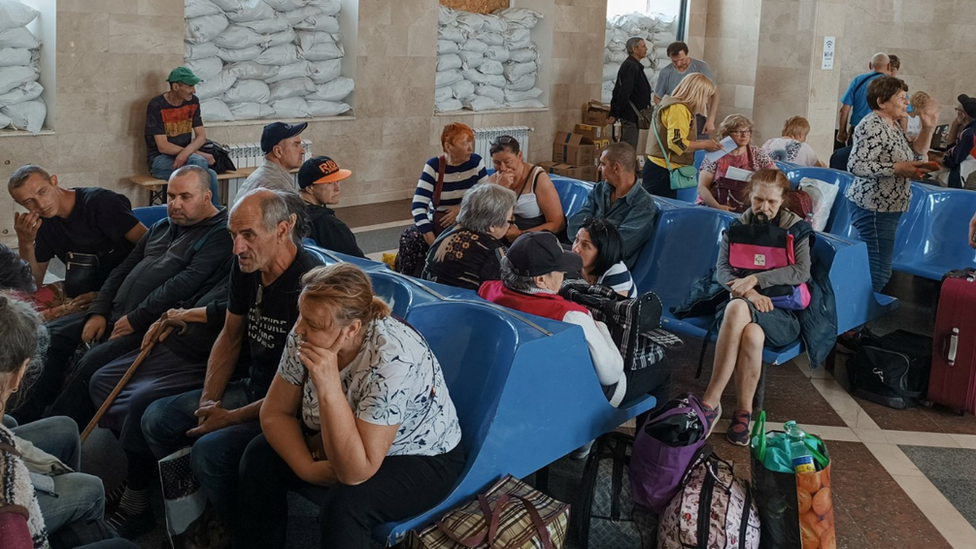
x,y
162,168
877,230
216,456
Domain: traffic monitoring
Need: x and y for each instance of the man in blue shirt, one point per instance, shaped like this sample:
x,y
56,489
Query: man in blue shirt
x,y
619,201
854,104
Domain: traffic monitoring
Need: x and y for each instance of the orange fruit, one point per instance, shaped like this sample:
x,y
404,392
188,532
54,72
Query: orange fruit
x,y
809,537
822,502
825,477
805,500
829,539
809,520
808,481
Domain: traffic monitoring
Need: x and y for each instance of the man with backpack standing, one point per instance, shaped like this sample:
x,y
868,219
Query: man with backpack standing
x,y
631,92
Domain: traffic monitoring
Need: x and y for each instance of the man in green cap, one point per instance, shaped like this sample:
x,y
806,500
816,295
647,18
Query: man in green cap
x,y
174,129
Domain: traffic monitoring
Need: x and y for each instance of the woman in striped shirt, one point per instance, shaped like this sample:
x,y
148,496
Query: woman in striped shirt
x,y
600,247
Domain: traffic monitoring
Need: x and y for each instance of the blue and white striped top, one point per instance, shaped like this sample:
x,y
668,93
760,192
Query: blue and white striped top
x,y
618,277
457,181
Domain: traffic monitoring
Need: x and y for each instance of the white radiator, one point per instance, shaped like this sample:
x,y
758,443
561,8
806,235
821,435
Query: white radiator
x,y
249,155
483,138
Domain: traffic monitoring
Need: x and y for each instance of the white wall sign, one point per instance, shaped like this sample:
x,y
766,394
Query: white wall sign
x,y
828,53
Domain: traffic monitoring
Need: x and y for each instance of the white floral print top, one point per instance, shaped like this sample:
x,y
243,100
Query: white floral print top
x,y
395,380
877,147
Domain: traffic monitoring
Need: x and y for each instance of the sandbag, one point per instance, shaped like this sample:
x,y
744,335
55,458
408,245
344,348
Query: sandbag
x,y
278,55
190,51
293,107
324,51
327,108
472,44
521,17
308,39
11,77
471,59
287,5
216,86
615,56
523,55
205,68
475,76
336,90
470,22
268,25
214,110
494,23
494,93
446,16
248,91
236,36
319,22
24,92
328,7
443,94
490,38
448,105
4,121
524,82
496,80
19,37
15,56
249,70
279,38
498,53
462,90
490,67
610,71
295,17
447,46
446,78
291,70
204,29
293,87
515,95
326,71
230,5
15,14
199,8
515,70
517,35
250,111
237,55
480,103
28,115
453,34
448,62
527,104
252,10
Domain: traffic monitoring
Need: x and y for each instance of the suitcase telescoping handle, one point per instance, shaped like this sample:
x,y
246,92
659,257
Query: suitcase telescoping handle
x,y
952,344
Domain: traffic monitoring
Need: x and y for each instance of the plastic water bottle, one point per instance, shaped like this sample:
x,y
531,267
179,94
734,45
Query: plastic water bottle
x,y
799,453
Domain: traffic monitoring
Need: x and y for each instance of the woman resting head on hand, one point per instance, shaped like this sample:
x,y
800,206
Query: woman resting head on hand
x,y
602,250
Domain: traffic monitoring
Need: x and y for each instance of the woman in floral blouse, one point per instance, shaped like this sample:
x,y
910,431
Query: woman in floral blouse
x,y
359,410
883,162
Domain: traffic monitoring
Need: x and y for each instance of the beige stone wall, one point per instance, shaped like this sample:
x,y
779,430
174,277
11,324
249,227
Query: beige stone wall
x,y
113,56
731,45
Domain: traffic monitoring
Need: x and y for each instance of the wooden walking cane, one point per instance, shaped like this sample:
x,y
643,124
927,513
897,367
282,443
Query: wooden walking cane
x,y
165,329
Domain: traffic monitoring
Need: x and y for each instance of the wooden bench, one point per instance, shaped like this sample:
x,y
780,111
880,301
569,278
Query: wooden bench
x,y
157,187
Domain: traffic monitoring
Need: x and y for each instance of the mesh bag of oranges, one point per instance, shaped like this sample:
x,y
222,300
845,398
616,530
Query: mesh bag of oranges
x,y
796,509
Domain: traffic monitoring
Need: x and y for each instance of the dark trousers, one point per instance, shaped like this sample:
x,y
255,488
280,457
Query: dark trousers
x,y
402,487
161,374
877,230
840,157
657,180
74,401
629,133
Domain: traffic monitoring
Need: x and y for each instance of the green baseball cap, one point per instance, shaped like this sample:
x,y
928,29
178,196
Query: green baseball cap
x,y
183,75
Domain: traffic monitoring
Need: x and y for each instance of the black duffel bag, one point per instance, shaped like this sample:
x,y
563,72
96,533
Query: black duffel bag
x,y
892,370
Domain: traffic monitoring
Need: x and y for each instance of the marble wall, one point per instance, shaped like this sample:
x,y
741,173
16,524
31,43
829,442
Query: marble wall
x,y
114,55
731,43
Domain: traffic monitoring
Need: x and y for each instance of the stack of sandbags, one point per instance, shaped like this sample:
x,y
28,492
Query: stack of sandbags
x,y
657,30
266,58
21,105
486,61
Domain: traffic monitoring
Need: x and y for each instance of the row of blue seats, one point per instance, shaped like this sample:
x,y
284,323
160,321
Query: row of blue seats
x,y
685,245
524,387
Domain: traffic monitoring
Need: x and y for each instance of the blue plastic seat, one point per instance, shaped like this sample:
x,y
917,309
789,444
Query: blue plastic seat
x,y
932,237
572,193
149,215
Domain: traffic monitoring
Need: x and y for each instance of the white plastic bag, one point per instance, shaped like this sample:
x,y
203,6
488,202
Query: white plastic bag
x,y
293,87
237,55
199,8
204,29
492,92
326,71
324,51
24,92
523,55
269,25
236,36
11,77
216,86
248,91
447,46
515,95
327,108
446,78
515,70
490,67
475,45
291,70
205,68
448,62
336,90
14,14
250,111
498,53
471,59
19,37
190,51
278,55
823,195
15,56
215,110
28,115
253,10
462,90
293,107
249,70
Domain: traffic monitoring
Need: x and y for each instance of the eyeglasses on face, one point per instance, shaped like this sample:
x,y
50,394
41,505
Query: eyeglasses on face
x,y
740,132
511,222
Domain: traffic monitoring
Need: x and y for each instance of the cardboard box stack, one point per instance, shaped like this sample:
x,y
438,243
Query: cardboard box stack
x,y
576,154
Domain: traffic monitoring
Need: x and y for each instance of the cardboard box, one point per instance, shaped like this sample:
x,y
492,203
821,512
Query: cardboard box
x,y
601,145
573,149
565,170
589,173
596,133
596,113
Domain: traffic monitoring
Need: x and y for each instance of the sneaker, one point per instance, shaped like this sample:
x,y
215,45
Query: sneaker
x,y
132,527
582,451
712,415
738,432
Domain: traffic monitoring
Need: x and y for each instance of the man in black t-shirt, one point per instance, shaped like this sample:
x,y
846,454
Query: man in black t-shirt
x,y
319,179
220,420
60,222
174,130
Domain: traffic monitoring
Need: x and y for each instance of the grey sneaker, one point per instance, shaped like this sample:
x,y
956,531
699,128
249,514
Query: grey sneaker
x,y
712,415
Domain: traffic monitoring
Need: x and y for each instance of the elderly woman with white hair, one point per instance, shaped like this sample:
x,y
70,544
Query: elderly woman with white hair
x,y
470,252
